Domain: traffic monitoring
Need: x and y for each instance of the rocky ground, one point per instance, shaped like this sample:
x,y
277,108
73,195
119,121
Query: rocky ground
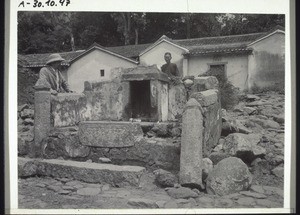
x,y
253,132
46,192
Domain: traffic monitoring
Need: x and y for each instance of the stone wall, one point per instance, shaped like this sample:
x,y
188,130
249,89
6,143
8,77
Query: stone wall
x,y
100,101
152,153
107,102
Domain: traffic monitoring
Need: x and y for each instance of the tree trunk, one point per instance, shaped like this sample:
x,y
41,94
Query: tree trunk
x,y
127,27
72,41
188,26
136,36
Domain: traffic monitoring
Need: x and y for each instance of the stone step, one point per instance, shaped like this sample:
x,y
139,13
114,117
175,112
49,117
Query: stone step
x,y
115,175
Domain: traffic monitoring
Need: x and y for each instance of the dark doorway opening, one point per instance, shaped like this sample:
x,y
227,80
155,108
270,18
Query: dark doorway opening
x,y
140,99
218,71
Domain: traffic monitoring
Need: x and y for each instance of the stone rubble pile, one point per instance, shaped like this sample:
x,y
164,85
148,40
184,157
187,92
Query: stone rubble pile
x,y
254,132
25,129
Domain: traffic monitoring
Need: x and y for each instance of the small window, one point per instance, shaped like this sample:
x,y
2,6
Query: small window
x,y
101,72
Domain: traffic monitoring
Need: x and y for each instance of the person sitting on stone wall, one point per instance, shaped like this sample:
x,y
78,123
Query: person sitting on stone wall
x,y
171,69
51,74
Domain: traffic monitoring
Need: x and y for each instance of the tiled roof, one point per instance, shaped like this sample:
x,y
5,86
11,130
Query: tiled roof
x,y
196,46
39,60
130,51
223,44
127,53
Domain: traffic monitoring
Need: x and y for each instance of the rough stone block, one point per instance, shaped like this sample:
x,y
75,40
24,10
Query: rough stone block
x,y
92,173
177,100
182,193
109,134
42,120
27,167
210,102
64,109
205,83
191,145
206,98
142,203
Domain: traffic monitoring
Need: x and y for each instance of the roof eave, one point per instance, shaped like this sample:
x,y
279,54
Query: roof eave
x,y
236,51
159,42
266,36
102,49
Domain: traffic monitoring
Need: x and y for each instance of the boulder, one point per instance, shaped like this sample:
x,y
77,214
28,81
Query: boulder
x,y
205,83
243,146
27,168
104,160
253,194
22,107
233,126
176,132
230,175
182,193
161,129
66,145
23,148
88,191
165,178
207,167
188,83
216,157
258,103
266,123
251,98
74,149
28,121
250,110
27,113
278,171
142,203
218,148
279,118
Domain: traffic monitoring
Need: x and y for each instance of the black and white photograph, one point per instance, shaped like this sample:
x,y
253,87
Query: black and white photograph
x,y
165,111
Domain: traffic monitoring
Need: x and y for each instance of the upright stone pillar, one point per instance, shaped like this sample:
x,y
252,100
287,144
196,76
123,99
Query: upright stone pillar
x,y
42,124
191,145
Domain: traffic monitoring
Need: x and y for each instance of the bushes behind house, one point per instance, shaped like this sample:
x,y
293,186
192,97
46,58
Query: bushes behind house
x,y
26,81
228,93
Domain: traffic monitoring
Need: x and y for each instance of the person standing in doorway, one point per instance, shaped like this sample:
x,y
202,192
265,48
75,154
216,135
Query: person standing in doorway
x,y
52,75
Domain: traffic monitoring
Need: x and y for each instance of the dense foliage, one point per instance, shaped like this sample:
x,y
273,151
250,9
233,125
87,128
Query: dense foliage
x,y
44,32
228,93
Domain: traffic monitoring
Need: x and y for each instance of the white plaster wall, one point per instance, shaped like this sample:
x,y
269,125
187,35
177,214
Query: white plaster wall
x,y
236,67
273,44
266,64
87,68
156,56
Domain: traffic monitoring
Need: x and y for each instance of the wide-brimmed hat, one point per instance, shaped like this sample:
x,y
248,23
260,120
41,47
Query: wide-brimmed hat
x,y
54,58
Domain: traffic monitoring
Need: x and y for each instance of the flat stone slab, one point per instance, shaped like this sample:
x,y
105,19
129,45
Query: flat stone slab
x,y
109,134
88,172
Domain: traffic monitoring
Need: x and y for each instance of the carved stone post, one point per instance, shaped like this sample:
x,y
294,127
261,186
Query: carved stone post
x,y
191,145
42,123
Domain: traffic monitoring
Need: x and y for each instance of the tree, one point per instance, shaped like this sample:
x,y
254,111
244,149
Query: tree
x,y
233,24
129,24
44,32
63,24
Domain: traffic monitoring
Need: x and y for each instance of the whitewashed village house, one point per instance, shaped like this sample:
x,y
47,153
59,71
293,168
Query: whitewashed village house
x,y
246,60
